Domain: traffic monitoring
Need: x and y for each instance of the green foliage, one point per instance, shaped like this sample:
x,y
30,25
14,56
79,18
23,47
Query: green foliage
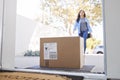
x,y
32,53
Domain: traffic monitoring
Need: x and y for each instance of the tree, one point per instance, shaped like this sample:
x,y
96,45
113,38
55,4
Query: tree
x,y
66,11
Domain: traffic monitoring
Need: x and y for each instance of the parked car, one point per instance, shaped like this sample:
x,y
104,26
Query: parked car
x,y
98,49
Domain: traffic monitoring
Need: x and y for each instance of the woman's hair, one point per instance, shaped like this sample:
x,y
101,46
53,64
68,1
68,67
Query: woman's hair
x,y
78,17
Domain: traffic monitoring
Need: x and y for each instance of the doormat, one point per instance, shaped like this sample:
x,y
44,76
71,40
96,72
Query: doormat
x,y
30,76
86,68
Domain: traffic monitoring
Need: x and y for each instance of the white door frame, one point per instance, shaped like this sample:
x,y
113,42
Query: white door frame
x,y
8,32
1,25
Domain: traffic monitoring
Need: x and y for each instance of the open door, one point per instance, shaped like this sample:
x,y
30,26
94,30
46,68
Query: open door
x,y
111,19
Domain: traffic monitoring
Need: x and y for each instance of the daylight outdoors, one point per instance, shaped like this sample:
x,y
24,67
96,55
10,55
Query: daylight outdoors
x,y
36,19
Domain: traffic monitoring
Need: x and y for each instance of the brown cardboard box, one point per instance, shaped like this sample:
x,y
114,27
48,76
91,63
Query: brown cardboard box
x,y
62,52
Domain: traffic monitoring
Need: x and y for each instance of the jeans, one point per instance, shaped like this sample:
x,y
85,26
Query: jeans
x,y
84,34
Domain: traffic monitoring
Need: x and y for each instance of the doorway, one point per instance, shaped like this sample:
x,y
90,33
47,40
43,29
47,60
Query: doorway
x,y
49,18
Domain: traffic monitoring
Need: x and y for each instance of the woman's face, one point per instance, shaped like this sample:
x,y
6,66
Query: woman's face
x,y
82,13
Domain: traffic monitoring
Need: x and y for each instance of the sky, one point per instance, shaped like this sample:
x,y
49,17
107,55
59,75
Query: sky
x,y
28,8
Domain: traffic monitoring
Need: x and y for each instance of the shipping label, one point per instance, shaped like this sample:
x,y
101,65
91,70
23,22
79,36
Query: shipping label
x,y
50,51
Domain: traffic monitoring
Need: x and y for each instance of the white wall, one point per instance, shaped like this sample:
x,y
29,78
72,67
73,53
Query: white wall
x,y
8,47
24,31
112,31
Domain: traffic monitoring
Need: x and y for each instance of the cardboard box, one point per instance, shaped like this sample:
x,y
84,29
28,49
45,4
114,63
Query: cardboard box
x,y
62,52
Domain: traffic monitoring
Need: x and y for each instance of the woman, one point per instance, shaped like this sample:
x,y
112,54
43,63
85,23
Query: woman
x,y
82,25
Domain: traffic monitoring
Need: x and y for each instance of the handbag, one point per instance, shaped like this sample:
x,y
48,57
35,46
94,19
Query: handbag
x,y
89,35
